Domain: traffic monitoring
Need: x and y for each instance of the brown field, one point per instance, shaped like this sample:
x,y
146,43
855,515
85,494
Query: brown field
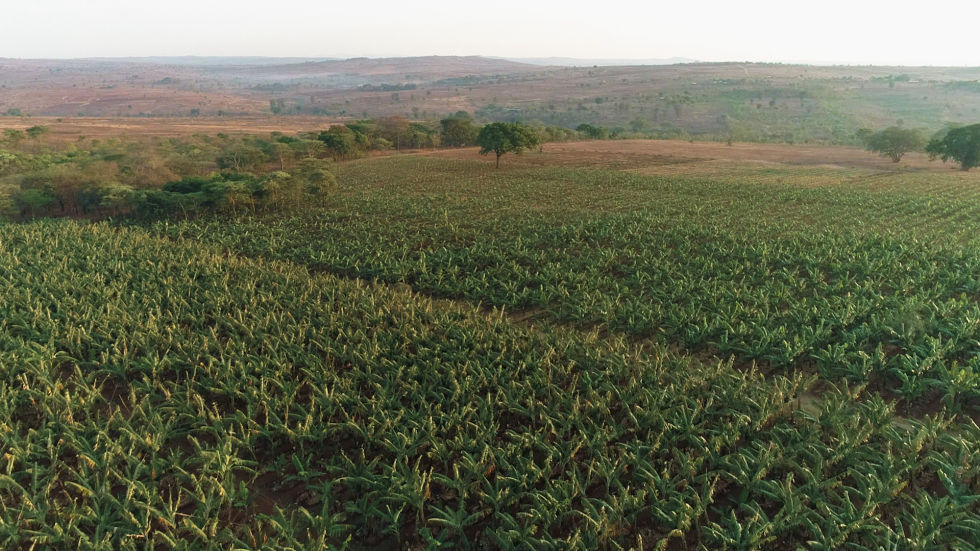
x,y
643,155
70,129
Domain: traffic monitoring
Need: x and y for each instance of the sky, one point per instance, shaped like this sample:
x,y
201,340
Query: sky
x,y
894,32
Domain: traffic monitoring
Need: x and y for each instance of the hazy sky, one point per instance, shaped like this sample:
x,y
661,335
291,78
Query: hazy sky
x,y
938,32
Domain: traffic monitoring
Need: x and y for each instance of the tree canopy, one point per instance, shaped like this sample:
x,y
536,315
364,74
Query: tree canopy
x,y
458,131
506,137
36,132
894,142
341,141
593,132
961,144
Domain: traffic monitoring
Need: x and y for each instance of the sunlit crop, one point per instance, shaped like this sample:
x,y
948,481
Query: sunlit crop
x,y
627,363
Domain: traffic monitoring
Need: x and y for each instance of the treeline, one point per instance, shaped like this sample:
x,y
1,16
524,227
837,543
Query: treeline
x,y
235,193
195,174
356,139
954,142
163,177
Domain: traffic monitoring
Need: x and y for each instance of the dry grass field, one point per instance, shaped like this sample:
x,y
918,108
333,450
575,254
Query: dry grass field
x,y
642,154
69,129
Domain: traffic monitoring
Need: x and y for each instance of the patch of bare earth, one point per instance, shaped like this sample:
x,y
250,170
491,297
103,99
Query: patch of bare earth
x,y
635,154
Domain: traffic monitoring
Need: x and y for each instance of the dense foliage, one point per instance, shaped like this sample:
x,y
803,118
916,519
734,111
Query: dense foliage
x,y
92,178
962,144
163,393
459,130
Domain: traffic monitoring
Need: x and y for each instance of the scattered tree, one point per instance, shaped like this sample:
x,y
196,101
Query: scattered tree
x,y
316,175
421,136
506,137
341,142
240,157
396,130
894,142
863,135
961,144
458,132
36,132
31,202
13,136
7,159
593,132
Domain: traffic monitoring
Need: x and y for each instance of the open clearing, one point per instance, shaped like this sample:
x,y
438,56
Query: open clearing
x,y
639,154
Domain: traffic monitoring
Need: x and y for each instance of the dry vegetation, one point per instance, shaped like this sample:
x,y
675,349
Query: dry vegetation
x,y
65,130
746,102
647,155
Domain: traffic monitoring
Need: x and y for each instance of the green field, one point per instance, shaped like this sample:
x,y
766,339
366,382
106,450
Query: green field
x,y
451,356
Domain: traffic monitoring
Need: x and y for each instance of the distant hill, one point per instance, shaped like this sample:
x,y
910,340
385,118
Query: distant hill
x,y
421,68
761,102
586,62
207,61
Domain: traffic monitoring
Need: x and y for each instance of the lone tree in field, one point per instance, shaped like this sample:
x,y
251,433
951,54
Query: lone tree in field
x,y
894,142
506,137
960,144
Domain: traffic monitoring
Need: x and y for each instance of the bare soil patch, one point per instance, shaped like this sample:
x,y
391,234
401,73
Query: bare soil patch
x,y
643,153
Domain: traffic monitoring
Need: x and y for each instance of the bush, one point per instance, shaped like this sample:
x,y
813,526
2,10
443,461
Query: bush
x,y
33,201
458,132
235,193
593,132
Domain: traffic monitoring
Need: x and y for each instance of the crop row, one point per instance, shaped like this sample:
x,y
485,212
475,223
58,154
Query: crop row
x,y
817,282
161,394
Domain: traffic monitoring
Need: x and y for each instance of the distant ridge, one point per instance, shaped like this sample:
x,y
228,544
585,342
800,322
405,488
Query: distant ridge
x,y
429,66
585,62
192,60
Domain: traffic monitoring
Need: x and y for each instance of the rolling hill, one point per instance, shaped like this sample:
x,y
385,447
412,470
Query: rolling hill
x,y
738,101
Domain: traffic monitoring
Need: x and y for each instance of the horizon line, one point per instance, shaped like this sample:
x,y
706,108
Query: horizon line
x,y
609,61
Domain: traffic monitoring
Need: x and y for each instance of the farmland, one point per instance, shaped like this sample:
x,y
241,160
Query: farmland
x,y
609,345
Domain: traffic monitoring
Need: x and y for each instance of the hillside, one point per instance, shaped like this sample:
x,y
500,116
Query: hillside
x,y
424,69
740,101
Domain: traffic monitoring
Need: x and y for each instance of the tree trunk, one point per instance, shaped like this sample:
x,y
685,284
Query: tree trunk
x,y
498,159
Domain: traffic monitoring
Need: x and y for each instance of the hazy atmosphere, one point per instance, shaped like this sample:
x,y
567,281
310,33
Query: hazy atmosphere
x,y
838,31
517,276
